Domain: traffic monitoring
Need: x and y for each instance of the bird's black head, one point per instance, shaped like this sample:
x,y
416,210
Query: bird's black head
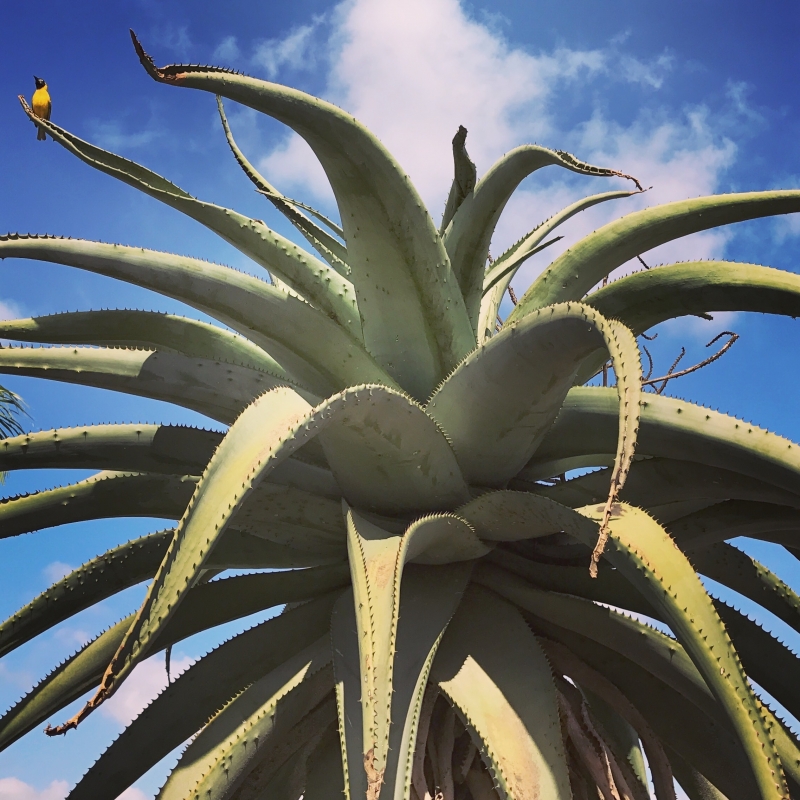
x,y
40,83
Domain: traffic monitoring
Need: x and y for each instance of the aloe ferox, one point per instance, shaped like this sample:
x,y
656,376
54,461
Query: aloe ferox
x,y
453,622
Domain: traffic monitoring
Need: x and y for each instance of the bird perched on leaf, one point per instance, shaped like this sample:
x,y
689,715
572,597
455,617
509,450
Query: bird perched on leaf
x,y
41,104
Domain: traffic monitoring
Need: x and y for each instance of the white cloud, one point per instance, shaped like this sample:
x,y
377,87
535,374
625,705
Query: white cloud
x,y
294,51
142,686
110,136
227,50
648,74
414,72
56,570
15,789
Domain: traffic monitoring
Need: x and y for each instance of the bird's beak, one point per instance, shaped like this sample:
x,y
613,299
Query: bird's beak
x,y
36,79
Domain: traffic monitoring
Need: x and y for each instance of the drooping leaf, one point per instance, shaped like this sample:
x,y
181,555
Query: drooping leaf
x,y
732,518
146,330
330,248
493,670
255,442
575,272
188,702
731,567
312,278
169,449
646,298
207,606
412,311
669,428
217,389
643,551
658,481
309,345
237,738
101,577
102,496
473,225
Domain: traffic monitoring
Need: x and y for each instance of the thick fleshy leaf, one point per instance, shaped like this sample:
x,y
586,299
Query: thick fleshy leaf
x,y
535,362
575,272
325,779
147,330
493,670
313,349
374,711
255,442
188,702
731,567
387,454
207,606
767,661
643,551
103,496
727,520
468,237
412,311
504,268
312,278
237,739
677,721
217,389
101,577
646,298
671,428
658,481
694,783
506,516
330,248
170,449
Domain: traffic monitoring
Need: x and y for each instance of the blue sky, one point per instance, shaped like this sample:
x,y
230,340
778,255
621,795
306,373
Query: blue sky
x,y
691,97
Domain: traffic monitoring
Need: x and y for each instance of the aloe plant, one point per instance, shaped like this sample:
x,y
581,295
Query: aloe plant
x,y
454,621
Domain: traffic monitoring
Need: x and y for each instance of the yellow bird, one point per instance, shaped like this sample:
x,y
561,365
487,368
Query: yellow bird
x,y
40,102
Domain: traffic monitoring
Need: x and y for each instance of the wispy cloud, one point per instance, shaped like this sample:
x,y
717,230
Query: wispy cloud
x,y
227,50
10,310
294,51
110,135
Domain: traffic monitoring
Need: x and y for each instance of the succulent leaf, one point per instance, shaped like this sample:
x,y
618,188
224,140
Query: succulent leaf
x,y
493,434
505,696
310,277
574,273
470,232
370,646
333,251
308,344
643,551
214,388
144,330
232,745
198,693
670,428
412,312
102,496
503,268
647,298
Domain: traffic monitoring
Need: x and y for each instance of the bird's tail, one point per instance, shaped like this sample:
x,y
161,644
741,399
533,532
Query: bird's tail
x,y
41,136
